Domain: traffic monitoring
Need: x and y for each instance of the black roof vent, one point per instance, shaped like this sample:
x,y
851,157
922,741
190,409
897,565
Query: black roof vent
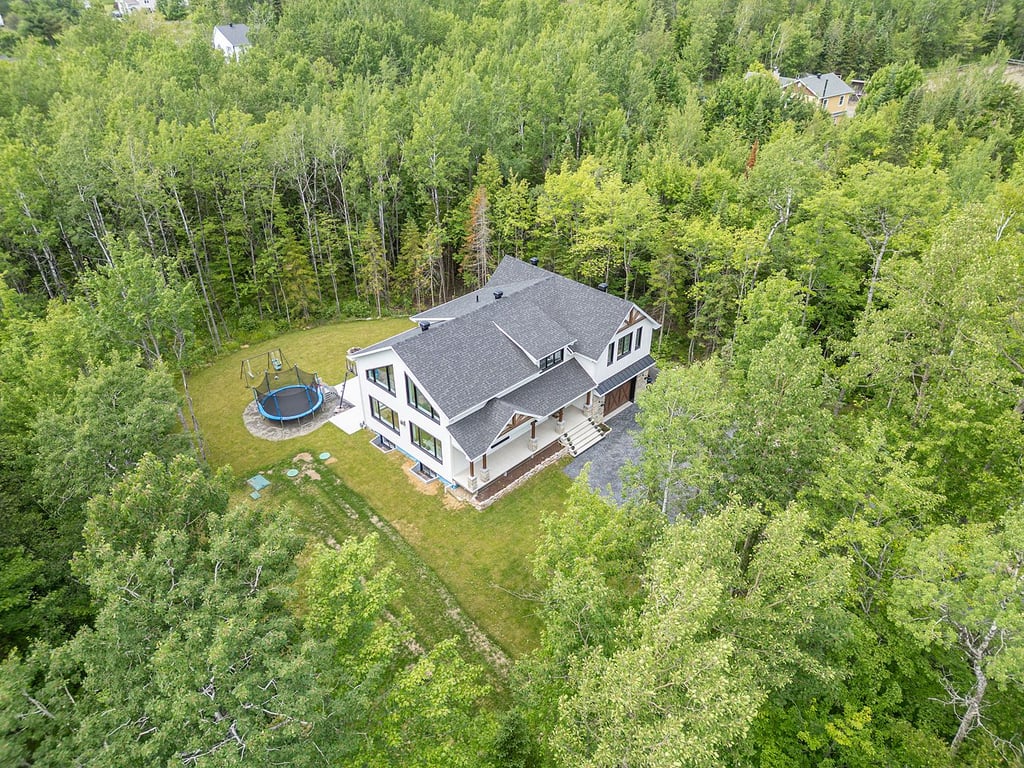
x,y
424,325
534,261
603,287
498,295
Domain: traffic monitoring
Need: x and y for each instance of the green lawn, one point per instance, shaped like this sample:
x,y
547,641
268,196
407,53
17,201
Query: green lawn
x,y
221,395
482,557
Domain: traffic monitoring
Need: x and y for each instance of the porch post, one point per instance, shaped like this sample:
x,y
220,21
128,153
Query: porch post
x,y
533,435
485,474
472,476
560,415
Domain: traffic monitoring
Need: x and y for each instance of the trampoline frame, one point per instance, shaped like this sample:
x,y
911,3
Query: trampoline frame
x,y
313,404
285,395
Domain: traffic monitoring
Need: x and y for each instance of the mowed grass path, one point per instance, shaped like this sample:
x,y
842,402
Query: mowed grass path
x,y
482,557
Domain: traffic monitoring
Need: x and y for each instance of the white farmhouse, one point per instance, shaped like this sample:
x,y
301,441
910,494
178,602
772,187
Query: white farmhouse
x,y
127,7
497,381
231,39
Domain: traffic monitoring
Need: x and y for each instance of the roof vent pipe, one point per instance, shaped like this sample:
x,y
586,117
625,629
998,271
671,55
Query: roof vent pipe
x,y
603,287
534,261
498,295
424,325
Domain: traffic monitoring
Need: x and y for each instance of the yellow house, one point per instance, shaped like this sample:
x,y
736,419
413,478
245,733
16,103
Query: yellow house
x,y
828,90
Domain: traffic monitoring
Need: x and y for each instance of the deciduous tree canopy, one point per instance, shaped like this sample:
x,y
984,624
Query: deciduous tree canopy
x,y
817,564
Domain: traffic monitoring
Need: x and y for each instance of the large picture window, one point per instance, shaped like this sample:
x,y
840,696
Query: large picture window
x,y
426,441
553,359
625,345
383,377
418,401
383,414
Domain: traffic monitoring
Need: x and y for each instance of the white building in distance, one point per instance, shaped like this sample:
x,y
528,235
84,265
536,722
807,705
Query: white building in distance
x,y
231,39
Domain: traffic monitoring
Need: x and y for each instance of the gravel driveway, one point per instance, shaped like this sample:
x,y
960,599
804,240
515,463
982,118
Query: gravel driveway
x,y
607,458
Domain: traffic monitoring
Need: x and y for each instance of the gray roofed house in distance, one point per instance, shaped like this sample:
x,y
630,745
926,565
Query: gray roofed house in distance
x,y
828,90
496,381
231,39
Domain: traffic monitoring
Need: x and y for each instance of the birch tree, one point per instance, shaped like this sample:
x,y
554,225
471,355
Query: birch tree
x,y
961,592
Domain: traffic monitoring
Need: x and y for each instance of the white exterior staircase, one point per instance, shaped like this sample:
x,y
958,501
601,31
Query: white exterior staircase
x,y
583,435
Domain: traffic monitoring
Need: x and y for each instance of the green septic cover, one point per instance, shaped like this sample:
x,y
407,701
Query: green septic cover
x,y
292,473
258,482
325,456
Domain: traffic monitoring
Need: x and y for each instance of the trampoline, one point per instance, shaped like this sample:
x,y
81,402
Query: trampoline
x,y
288,394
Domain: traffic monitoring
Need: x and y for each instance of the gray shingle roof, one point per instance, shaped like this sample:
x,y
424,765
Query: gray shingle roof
x,y
510,277
467,360
390,341
512,271
530,328
823,86
588,314
236,34
476,432
546,394
540,397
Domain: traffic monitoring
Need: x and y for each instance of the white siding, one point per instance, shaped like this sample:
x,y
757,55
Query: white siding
x,y
600,370
407,414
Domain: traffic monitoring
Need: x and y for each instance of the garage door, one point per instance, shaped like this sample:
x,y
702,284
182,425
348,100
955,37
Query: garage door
x,y
619,396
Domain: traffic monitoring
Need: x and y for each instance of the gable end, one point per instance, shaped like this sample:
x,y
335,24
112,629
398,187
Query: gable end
x,y
517,419
634,317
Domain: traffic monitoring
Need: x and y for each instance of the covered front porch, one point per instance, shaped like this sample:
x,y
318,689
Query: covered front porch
x,y
515,454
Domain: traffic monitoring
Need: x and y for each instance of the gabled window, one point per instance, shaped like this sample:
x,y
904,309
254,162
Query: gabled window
x,y
426,441
417,400
625,345
383,377
383,414
639,333
611,353
553,359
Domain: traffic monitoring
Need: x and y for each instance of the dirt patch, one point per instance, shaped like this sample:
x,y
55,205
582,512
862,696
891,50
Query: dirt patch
x,y
303,457
453,503
431,488
312,474
330,461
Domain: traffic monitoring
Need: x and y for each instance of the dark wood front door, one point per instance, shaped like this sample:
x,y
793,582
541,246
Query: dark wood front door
x,y
619,396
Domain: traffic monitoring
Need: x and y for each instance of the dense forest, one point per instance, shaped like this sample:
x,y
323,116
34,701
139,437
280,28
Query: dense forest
x,y
822,561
